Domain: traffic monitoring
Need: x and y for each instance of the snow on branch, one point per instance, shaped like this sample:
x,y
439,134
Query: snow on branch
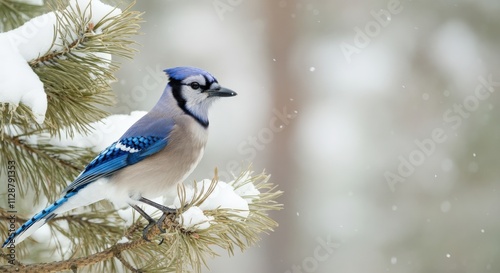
x,y
64,55
210,214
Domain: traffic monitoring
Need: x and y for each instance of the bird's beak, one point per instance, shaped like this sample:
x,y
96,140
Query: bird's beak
x,y
221,92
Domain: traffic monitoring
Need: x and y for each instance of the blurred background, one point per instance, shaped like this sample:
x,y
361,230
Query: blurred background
x,y
378,119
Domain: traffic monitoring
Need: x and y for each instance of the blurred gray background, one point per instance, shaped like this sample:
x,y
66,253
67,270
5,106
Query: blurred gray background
x,y
378,119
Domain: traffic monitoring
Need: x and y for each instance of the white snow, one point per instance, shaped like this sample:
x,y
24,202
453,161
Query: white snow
x,y
18,82
123,240
195,218
247,191
105,132
222,197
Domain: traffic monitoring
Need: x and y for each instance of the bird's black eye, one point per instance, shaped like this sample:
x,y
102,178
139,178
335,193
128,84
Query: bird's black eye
x,y
194,85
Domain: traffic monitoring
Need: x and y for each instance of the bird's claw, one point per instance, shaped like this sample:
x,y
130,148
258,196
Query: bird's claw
x,y
166,211
159,224
145,231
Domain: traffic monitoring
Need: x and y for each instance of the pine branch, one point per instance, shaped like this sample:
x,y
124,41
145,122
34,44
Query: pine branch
x,y
181,249
55,165
77,70
74,97
75,263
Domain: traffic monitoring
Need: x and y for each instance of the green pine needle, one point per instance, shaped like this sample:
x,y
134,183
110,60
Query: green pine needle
x,y
15,13
77,82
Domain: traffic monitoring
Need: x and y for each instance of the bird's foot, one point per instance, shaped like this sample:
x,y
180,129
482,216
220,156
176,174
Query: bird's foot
x,y
145,231
159,223
166,212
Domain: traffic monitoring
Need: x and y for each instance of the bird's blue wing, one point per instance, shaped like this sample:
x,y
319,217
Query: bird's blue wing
x,y
125,152
118,155
122,153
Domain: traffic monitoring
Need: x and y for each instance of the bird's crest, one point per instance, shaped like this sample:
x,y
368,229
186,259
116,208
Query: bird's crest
x,y
182,72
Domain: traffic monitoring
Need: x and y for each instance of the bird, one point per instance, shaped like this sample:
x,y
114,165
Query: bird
x,y
150,159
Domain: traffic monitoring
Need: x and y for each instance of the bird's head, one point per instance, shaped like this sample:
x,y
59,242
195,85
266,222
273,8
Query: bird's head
x,y
195,90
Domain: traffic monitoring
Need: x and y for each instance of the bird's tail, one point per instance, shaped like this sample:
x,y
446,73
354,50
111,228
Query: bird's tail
x,y
38,220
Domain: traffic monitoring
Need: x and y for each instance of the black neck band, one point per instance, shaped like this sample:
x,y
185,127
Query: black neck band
x,y
177,93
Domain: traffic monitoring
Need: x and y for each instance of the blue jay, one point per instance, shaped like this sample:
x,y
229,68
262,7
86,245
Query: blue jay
x,y
155,154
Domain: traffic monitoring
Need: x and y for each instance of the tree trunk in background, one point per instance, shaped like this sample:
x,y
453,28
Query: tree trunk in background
x,y
282,34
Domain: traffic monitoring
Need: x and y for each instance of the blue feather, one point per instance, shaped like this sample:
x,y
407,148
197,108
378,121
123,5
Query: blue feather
x,y
180,73
45,214
129,150
118,155
122,153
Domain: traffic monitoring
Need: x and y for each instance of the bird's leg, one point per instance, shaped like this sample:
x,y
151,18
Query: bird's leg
x,y
159,224
166,211
150,220
158,206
